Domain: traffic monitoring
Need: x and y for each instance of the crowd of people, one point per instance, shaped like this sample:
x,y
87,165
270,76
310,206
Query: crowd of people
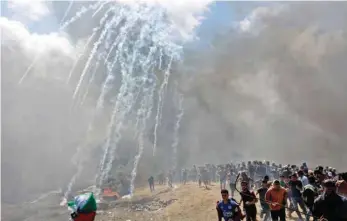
x,y
281,190
317,194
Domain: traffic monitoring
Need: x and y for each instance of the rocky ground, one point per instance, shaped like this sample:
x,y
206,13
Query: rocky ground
x,y
182,203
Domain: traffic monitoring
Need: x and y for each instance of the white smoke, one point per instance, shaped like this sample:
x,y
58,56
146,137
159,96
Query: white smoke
x,y
186,14
53,49
41,131
23,10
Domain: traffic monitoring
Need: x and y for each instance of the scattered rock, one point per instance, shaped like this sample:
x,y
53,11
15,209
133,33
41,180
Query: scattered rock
x,y
154,205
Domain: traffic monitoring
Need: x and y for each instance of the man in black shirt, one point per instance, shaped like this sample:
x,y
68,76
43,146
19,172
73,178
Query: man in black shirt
x,y
330,205
265,208
151,183
310,193
249,199
296,188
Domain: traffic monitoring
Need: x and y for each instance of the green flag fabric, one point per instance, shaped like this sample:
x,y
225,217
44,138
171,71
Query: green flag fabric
x,y
84,203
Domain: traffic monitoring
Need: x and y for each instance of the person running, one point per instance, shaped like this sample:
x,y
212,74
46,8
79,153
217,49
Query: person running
x,y
276,196
222,177
248,199
330,205
309,194
151,183
244,178
267,179
296,188
204,177
265,208
232,182
283,181
302,178
251,170
228,209
184,176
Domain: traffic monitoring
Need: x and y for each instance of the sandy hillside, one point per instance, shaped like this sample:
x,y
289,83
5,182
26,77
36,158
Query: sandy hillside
x,y
184,203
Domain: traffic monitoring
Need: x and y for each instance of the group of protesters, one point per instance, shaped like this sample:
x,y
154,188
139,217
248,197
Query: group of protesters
x,y
280,190
318,194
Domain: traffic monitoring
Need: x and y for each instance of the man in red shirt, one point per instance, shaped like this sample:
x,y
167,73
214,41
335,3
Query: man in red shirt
x,y
341,184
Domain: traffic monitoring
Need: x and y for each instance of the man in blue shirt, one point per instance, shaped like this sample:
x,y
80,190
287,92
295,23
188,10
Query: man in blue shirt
x,y
296,187
228,209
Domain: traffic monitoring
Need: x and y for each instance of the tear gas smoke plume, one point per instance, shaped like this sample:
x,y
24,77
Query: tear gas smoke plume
x,y
271,87
56,124
274,87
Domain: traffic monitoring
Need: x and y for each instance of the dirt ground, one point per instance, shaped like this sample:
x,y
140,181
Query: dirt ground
x,y
183,203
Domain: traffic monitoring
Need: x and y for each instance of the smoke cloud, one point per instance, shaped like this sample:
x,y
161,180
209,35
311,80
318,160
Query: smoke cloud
x,y
42,126
38,130
272,87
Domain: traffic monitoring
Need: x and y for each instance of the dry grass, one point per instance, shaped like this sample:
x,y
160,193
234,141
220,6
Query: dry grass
x,y
192,203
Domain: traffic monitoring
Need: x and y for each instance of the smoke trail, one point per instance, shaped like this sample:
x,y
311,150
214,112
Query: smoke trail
x,y
96,45
43,196
58,57
143,115
161,95
119,42
176,130
92,78
100,56
62,27
93,52
72,182
81,54
80,13
66,12
154,31
29,69
125,96
100,8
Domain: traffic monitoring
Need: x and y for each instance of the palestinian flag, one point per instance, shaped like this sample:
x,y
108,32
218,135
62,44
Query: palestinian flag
x,y
83,207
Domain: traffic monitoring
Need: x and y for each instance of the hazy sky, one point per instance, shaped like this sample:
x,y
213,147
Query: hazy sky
x,y
38,18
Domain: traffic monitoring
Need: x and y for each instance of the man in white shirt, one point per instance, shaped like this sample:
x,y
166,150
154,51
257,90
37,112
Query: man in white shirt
x,y
302,178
